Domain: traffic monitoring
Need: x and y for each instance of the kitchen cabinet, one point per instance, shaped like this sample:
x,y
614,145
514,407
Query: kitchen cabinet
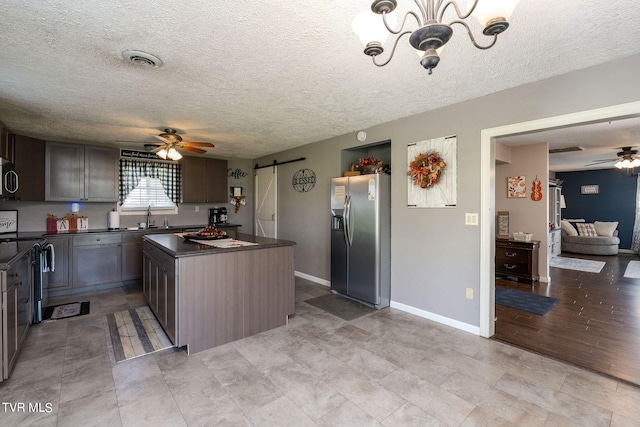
x,y
96,259
219,295
159,288
6,144
204,180
59,278
132,247
517,260
16,310
29,164
76,172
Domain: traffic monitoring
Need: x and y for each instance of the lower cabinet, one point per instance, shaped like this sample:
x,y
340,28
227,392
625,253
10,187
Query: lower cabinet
x,y
59,278
517,260
159,288
97,259
15,295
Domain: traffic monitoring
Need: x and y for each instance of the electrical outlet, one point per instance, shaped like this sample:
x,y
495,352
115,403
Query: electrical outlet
x,y
469,293
197,208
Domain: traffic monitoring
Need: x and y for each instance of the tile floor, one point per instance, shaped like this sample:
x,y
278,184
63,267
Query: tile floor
x,y
388,368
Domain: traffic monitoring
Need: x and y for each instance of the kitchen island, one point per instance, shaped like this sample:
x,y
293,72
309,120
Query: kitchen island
x,y
205,296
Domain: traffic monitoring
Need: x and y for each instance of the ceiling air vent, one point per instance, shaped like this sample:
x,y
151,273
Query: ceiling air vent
x,y
566,149
142,58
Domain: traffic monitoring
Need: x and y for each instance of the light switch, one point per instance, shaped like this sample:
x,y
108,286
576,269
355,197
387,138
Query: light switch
x,y
471,219
469,293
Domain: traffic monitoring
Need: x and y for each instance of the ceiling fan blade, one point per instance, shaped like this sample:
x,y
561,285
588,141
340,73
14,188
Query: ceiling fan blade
x,y
193,150
153,147
198,144
161,138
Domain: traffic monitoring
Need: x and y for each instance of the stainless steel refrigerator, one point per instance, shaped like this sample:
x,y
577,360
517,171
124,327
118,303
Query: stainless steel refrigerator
x,y
361,238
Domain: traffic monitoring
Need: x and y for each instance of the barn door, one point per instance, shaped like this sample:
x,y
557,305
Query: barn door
x,y
266,221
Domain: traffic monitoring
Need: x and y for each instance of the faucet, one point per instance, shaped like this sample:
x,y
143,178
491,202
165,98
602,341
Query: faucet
x,y
149,217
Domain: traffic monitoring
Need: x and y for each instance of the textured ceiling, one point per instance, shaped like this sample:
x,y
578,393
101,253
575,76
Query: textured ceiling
x,y
259,77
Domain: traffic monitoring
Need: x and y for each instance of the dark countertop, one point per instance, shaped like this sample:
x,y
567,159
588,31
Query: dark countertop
x,y
172,228
14,245
179,247
9,251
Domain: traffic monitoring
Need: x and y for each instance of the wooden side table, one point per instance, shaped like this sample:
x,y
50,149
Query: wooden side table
x,y
517,260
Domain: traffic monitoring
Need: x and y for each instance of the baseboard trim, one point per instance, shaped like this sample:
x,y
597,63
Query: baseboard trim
x,y
437,318
314,279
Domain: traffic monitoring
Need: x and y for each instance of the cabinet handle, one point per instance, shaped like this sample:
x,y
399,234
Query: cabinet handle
x,y
511,255
510,267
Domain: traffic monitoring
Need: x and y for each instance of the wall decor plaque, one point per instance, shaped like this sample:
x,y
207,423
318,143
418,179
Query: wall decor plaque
x,y
304,180
8,221
590,189
502,225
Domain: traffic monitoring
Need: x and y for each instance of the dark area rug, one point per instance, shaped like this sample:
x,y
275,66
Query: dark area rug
x,y
339,306
532,303
63,311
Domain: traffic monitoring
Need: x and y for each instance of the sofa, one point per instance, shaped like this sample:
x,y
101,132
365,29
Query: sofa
x,y
599,238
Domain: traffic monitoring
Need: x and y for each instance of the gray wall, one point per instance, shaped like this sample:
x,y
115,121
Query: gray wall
x,y
32,215
435,256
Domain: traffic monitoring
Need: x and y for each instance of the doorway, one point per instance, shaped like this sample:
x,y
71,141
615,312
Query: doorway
x,y
266,219
487,192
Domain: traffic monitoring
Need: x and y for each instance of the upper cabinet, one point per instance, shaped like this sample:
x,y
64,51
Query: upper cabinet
x,y
204,180
81,172
29,165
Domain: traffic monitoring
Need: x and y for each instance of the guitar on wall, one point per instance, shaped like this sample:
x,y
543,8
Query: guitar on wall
x,y
536,190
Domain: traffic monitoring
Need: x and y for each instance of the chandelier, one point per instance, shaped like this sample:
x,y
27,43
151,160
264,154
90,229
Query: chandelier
x,y
432,34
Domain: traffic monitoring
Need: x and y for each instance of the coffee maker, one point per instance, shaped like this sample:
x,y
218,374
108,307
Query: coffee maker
x,y
217,216
214,216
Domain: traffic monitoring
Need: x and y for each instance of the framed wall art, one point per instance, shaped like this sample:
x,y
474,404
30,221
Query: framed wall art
x,y
590,189
431,179
516,187
8,222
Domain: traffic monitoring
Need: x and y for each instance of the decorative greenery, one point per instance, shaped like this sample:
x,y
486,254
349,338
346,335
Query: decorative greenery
x,y
371,165
426,168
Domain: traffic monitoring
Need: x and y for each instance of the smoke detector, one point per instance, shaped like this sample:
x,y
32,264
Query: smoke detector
x,y
142,58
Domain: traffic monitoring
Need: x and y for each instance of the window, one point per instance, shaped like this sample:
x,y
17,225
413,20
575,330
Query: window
x,y
145,183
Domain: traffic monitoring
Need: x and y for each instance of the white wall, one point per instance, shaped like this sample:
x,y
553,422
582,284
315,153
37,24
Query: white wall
x,y
435,256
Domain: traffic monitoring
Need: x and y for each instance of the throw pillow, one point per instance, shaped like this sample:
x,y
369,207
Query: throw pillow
x,y
605,228
569,229
586,229
574,220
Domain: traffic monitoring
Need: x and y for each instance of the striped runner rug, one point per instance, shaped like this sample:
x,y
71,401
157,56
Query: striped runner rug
x,y
136,332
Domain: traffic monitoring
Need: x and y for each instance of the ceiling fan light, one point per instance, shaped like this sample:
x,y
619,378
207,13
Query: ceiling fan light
x,y
162,153
635,163
173,154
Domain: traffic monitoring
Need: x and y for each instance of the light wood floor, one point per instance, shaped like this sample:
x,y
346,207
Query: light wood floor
x,y
596,324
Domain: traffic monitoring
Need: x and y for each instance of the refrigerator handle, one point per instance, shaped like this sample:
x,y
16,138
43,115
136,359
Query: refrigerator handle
x,y
347,221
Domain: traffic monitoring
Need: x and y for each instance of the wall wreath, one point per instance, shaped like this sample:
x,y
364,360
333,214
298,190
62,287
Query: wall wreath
x,y
426,168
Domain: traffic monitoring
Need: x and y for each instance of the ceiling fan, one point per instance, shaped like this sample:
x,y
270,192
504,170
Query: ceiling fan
x,y
626,159
172,142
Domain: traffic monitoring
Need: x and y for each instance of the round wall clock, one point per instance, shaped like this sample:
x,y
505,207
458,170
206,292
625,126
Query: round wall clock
x,y
304,180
